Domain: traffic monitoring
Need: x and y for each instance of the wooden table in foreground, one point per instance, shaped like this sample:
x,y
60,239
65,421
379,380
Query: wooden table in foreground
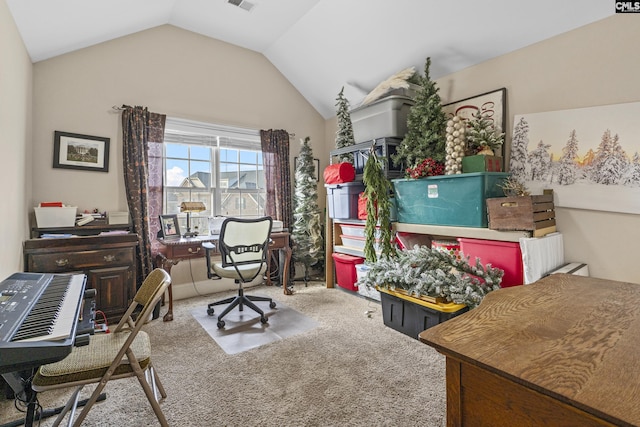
x,y
564,351
172,251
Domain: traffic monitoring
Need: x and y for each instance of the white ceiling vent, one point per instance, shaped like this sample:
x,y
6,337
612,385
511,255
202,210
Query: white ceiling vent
x,y
242,4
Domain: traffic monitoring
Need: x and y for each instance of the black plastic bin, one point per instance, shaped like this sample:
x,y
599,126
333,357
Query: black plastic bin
x,y
411,318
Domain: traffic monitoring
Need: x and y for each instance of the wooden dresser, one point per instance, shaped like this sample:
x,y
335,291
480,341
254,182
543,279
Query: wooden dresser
x,y
109,261
564,351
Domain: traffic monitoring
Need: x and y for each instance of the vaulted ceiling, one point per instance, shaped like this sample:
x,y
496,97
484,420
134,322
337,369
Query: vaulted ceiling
x,y
319,45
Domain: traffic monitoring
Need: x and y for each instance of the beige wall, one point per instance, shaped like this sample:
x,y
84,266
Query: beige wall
x,y
189,76
593,65
15,136
170,71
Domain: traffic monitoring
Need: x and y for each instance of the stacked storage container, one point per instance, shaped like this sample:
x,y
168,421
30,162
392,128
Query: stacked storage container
x,y
346,270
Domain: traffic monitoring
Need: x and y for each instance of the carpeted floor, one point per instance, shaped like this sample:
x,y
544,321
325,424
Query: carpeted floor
x,y
349,370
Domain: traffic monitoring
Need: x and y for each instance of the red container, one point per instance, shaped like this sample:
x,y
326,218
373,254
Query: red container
x,y
346,270
503,255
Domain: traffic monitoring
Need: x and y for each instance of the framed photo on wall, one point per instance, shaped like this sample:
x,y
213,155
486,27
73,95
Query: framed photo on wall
x,y
169,227
81,152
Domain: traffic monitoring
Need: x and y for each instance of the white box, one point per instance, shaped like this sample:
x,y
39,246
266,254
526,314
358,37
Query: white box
x,y
215,224
384,118
117,218
55,216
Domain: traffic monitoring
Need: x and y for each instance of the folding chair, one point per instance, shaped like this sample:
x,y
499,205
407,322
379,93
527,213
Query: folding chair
x,y
123,353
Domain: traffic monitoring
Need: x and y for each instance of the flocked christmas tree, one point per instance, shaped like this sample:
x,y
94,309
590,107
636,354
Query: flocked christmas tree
x,y
308,244
482,136
426,124
344,136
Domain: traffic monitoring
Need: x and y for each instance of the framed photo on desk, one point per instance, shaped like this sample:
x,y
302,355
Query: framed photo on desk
x,y
169,227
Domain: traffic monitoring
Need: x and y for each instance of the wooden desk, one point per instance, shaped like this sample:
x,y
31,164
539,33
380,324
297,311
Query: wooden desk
x,y
562,351
172,251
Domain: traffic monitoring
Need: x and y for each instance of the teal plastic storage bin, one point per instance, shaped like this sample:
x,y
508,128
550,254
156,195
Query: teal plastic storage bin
x,y
454,200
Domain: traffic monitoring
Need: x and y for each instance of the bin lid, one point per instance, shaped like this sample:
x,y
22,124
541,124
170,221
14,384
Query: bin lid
x,y
347,258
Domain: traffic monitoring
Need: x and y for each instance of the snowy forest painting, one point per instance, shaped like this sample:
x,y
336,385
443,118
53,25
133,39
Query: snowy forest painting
x,y
588,156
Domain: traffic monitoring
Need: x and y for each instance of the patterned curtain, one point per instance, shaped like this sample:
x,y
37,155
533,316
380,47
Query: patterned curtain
x,y
142,136
275,156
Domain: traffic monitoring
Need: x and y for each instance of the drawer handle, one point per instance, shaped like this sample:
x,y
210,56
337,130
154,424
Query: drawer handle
x,y
109,258
191,251
62,262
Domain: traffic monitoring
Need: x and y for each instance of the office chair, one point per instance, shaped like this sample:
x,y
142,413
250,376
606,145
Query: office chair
x,y
243,245
123,353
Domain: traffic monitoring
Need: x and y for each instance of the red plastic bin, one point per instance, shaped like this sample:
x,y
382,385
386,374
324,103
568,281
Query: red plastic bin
x,y
346,270
503,255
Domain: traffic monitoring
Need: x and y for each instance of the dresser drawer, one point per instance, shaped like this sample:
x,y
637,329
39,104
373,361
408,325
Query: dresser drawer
x,y
187,251
65,261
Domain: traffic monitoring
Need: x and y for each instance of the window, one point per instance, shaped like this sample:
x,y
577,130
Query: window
x,y
217,165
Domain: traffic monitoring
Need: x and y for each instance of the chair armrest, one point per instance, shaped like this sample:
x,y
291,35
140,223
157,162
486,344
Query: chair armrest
x,y
208,247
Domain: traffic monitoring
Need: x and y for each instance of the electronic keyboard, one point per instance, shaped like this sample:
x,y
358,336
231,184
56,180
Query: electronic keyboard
x,y
38,318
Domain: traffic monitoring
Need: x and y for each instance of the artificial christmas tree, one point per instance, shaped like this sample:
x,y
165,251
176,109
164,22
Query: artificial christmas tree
x,y
344,136
308,244
426,125
482,136
484,145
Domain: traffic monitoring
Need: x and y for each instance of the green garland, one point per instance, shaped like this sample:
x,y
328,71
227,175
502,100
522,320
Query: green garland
x,y
426,271
377,189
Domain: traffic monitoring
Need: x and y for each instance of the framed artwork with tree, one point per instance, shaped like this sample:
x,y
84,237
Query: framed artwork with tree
x,y
590,157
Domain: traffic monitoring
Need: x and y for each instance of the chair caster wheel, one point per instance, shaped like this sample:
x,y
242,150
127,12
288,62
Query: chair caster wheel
x,y
272,304
221,324
264,320
210,311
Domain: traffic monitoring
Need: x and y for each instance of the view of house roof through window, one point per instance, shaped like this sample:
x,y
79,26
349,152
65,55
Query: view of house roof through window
x,y
217,165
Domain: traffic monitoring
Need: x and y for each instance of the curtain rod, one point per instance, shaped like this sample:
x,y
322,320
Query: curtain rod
x,y
116,108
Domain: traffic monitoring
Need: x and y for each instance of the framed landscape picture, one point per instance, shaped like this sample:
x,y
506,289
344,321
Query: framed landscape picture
x,y
589,157
81,152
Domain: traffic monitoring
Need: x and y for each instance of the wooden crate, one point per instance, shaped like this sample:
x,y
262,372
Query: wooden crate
x,y
529,213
